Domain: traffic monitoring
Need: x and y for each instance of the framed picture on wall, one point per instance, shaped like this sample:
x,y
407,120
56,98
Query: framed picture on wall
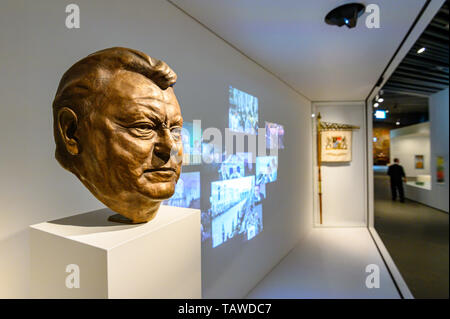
x,y
440,170
419,160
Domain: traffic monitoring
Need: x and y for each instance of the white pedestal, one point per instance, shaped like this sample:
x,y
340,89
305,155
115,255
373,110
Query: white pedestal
x,y
159,259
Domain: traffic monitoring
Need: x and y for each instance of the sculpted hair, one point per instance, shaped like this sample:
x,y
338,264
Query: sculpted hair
x,y
82,85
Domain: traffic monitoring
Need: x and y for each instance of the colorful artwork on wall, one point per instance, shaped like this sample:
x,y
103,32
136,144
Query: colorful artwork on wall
x,y
419,160
440,170
381,145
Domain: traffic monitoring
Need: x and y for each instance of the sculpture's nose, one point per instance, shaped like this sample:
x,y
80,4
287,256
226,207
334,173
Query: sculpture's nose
x,y
164,145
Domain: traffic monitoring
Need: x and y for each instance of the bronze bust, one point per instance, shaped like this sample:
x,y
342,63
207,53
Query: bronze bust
x,y
117,127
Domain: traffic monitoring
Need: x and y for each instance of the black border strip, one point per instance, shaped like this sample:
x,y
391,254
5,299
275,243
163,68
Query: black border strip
x,y
425,6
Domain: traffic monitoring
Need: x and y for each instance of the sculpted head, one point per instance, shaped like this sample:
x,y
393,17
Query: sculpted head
x,y
117,127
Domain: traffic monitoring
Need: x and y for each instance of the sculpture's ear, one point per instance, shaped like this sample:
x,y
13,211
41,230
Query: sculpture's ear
x,y
67,126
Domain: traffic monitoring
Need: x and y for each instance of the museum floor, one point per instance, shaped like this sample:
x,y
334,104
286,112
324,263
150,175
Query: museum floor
x,y
417,238
328,263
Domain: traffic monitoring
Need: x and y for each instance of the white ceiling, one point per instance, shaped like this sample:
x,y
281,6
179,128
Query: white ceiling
x,y
291,39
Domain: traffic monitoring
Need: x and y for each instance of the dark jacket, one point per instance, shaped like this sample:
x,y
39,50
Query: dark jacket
x,y
396,173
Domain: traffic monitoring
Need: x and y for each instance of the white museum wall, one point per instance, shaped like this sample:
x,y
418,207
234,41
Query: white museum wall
x,y
37,48
344,185
439,130
409,141
431,140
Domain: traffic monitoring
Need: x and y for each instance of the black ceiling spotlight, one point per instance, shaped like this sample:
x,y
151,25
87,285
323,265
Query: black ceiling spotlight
x,y
346,14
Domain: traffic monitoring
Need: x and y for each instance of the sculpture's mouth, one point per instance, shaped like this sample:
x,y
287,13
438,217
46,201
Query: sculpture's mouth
x,y
160,174
160,169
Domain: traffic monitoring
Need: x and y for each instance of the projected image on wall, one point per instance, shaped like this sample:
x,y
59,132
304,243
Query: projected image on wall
x,y
187,191
234,184
192,144
236,165
231,208
274,135
247,158
206,225
211,153
266,169
253,222
243,112
260,193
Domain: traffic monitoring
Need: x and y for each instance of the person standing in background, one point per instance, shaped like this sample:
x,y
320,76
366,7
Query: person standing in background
x,y
397,175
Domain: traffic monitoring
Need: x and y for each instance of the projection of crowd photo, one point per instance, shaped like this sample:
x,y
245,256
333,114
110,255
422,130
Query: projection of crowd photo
x,y
243,112
274,135
230,189
266,169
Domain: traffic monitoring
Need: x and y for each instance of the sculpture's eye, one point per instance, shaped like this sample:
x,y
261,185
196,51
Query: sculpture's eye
x,y
176,133
143,128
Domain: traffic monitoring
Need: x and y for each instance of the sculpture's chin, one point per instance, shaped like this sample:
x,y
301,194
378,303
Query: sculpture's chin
x,y
155,193
142,206
159,191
